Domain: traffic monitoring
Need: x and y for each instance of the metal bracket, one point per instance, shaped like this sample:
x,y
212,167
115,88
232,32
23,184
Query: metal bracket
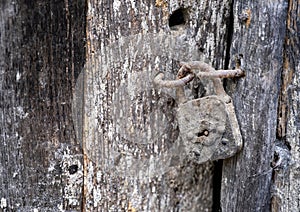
x,y
208,126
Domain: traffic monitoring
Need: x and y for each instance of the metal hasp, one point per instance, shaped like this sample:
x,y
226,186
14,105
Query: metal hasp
x,y
208,126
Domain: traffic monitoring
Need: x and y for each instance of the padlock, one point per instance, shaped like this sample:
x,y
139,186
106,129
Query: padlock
x,y
208,126
209,129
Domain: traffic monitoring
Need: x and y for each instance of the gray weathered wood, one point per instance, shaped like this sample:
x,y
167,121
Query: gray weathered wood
x,y
41,54
102,137
258,34
130,129
286,177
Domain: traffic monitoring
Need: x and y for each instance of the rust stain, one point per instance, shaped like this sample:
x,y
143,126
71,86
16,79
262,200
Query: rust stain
x,y
164,5
108,76
248,21
161,3
288,22
286,78
130,208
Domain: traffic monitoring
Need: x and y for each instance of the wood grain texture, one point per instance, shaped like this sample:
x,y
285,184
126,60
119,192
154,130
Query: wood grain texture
x,y
286,183
103,137
259,37
42,53
130,128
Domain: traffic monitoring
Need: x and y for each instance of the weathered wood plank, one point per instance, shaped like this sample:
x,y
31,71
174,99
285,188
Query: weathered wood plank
x,y
132,157
258,34
129,127
42,53
286,182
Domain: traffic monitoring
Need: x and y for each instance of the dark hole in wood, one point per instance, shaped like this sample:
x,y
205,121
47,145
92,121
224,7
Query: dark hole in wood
x,y
201,49
73,169
177,17
224,142
197,154
275,160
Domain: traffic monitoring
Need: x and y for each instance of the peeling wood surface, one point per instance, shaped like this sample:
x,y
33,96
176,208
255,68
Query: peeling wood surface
x,y
286,177
130,130
247,177
42,52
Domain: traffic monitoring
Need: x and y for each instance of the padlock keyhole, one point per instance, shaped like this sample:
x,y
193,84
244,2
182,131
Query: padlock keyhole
x,y
203,133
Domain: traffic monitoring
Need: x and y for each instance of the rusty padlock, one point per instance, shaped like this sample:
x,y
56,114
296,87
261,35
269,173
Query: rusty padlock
x,y
208,126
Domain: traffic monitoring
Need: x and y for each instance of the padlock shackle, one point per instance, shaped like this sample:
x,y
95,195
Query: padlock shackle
x,y
158,80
